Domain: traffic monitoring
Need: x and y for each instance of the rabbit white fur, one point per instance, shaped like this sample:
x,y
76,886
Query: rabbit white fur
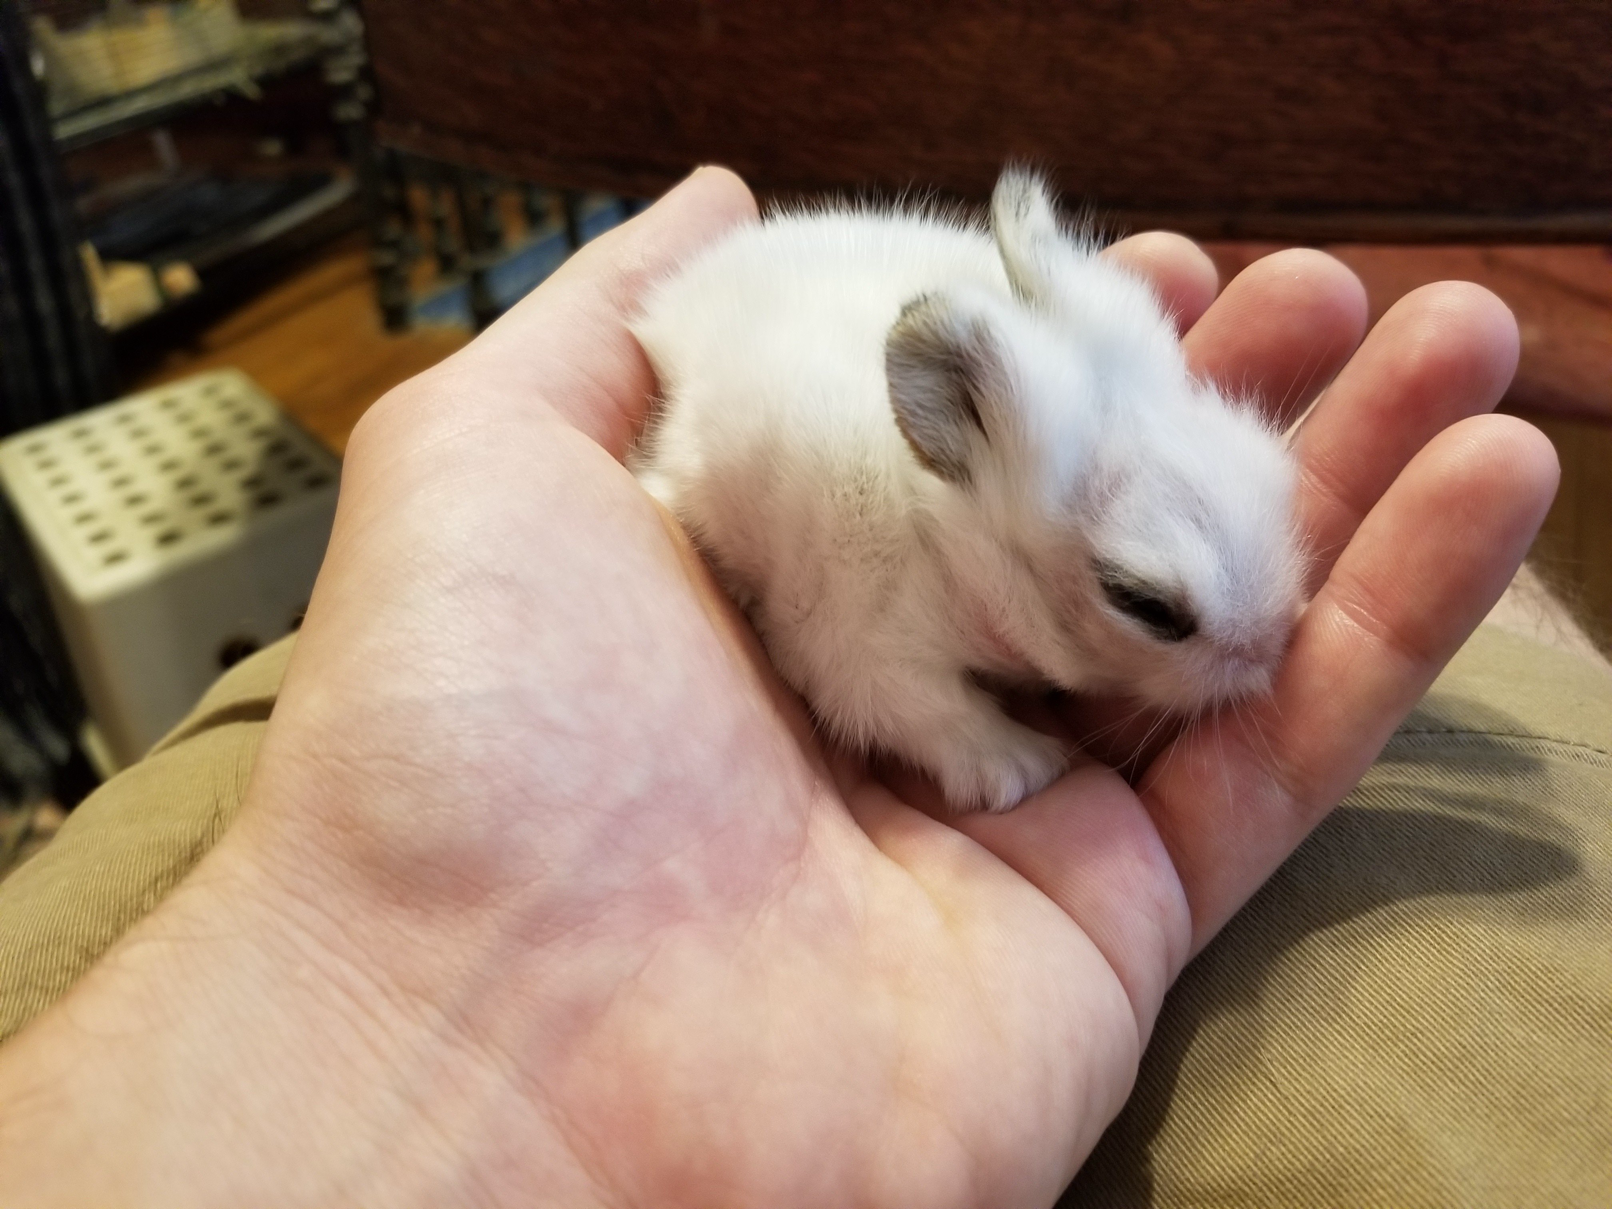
x,y
913,453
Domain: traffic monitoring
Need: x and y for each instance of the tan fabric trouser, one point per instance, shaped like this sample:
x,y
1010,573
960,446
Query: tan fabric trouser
x,y
1416,1011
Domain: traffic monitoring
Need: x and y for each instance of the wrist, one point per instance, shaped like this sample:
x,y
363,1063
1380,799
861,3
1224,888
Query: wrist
x,y
241,1046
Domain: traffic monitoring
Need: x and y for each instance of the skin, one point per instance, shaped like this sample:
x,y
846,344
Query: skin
x,y
544,894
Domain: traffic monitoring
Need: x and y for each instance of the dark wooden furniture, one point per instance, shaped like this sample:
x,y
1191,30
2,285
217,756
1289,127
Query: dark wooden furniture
x,y
1272,119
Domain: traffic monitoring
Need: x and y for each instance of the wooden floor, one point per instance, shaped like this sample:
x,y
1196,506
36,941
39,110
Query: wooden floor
x,y
1562,297
315,342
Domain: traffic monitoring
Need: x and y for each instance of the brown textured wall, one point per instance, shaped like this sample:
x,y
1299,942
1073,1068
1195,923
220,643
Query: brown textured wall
x,y
1247,116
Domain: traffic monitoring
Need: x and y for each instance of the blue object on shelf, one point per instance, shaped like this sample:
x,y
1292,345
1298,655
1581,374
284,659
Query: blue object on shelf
x,y
520,270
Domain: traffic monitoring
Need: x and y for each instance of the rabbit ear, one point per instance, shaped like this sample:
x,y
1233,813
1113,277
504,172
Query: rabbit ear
x,y
946,376
1028,237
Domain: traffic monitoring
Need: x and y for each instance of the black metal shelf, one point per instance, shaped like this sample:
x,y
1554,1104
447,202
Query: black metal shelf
x,y
273,48
243,255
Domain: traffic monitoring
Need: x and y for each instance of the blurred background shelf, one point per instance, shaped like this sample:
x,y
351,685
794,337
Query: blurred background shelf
x,y
162,163
270,49
204,240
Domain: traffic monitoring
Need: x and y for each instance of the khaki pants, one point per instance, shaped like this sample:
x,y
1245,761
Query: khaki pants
x,y
1416,1010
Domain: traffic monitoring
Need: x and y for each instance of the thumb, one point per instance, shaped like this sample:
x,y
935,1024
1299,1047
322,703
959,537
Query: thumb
x,y
567,343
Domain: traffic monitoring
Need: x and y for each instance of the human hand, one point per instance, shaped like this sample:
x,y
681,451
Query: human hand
x,y
544,893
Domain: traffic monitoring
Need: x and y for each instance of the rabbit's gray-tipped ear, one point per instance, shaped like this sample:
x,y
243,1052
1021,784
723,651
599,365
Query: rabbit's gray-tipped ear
x,y
1025,224
946,378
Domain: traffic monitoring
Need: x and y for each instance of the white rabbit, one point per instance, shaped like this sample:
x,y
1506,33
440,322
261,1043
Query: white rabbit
x,y
913,453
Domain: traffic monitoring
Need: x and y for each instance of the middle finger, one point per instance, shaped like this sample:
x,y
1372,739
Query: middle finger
x,y
1440,354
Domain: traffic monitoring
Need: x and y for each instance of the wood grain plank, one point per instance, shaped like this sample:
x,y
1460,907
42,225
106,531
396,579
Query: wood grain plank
x,y
1562,298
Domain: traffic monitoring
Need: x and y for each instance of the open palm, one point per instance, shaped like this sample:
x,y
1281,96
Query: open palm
x,y
606,926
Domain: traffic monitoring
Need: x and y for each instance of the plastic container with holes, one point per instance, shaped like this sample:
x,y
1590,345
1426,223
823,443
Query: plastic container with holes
x,y
177,530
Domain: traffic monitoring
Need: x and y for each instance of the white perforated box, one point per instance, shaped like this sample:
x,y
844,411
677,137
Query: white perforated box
x,y
176,529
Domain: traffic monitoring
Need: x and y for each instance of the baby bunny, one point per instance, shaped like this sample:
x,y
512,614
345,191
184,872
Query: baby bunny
x,y
915,451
